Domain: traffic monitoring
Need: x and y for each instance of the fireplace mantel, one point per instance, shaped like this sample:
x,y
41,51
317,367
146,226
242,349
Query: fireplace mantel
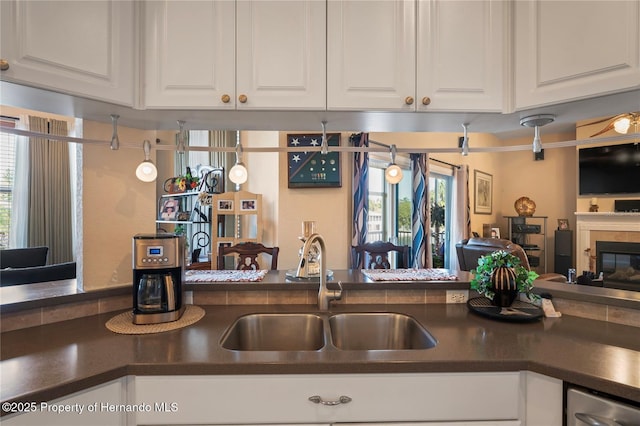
x,y
586,222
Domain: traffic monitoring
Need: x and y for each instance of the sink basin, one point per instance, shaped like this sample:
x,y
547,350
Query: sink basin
x,y
378,331
275,332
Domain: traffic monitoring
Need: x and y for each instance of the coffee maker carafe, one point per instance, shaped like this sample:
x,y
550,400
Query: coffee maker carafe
x,y
158,273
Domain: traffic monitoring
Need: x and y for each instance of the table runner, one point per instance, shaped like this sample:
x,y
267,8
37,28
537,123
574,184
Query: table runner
x,y
199,276
409,275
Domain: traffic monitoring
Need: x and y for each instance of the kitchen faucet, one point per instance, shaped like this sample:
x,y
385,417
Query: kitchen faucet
x,y
324,295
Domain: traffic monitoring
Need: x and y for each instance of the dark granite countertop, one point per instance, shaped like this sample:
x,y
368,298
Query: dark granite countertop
x,y
47,362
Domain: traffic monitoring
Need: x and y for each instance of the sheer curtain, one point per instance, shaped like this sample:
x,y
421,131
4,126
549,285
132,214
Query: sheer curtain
x,y
460,213
42,207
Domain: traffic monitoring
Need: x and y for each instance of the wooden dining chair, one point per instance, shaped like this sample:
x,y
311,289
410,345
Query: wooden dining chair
x,y
376,256
248,255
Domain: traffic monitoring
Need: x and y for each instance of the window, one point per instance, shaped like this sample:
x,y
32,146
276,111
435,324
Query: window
x,y
389,205
439,204
7,172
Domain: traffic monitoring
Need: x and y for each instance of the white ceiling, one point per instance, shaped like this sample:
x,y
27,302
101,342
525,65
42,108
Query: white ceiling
x,y
504,126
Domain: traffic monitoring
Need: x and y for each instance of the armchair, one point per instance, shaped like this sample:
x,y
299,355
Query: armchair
x,y
469,251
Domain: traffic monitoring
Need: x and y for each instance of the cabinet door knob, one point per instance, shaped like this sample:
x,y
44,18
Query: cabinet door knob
x,y
408,100
242,99
225,99
4,65
426,100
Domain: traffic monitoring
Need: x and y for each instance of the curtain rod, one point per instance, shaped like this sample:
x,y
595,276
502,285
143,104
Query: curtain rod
x,y
455,166
509,148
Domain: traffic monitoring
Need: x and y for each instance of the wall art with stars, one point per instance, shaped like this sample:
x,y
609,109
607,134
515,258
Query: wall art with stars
x,y
309,169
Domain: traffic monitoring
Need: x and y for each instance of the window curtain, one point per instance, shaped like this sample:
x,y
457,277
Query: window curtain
x,y
420,217
49,216
460,213
360,192
20,192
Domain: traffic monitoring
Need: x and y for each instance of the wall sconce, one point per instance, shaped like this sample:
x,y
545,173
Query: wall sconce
x,y
115,140
238,173
537,121
393,173
147,171
465,141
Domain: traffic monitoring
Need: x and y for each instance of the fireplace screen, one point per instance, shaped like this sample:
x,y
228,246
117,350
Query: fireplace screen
x,y
620,264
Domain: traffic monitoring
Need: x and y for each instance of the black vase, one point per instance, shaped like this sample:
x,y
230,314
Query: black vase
x,y
504,286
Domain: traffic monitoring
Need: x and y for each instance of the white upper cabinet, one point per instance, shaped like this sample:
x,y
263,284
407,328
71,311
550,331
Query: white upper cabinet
x,y
84,48
189,51
192,59
568,50
281,54
461,55
371,55
408,55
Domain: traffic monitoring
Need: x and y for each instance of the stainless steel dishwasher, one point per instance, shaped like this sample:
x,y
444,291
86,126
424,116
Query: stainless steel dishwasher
x,y
585,408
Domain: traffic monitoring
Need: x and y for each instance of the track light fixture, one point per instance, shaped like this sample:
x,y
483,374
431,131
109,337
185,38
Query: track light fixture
x,y
115,140
537,121
393,173
238,173
181,138
465,140
147,171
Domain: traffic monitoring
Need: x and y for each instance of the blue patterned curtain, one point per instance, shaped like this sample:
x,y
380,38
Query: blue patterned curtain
x,y
360,191
420,218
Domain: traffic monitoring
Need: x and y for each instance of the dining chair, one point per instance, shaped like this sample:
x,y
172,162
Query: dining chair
x,y
248,255
375,255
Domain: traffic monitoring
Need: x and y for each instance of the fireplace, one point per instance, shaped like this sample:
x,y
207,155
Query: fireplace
x,y
620,264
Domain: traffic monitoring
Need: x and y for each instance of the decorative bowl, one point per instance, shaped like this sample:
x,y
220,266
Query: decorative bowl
x,y
525,206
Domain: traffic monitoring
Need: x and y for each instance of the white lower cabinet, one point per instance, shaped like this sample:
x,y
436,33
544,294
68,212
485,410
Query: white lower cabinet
x,y
471,398
96,406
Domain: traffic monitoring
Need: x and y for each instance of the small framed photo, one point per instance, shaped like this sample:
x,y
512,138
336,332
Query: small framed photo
x,y
495,233
248,205
169,208
225,205
563,224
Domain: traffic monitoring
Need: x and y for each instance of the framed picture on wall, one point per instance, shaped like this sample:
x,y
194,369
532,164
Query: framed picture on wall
x,y
312,169
483,191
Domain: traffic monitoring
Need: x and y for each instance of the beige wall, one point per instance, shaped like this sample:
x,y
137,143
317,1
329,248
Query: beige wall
x,y
116,204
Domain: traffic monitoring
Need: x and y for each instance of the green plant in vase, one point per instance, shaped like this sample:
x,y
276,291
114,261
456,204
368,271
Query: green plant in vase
x,y
500,276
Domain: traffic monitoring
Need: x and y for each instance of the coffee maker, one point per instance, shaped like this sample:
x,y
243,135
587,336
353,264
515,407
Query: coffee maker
x,y
158,273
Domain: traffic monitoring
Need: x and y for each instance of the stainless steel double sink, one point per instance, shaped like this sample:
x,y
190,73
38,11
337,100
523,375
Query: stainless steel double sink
x,y
315,331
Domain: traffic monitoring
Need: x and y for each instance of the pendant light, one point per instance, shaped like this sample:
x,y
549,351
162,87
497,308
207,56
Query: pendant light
x,y
115,140
181,138
324,146
147,171
393,173
537,121
238,173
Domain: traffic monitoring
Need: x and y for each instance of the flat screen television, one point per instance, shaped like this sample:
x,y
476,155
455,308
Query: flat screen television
x,y
613,169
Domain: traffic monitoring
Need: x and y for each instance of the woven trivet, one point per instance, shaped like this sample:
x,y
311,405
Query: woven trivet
x,y
123,323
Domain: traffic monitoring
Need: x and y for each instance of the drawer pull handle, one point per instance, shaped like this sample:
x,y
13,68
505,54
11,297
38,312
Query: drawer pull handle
x,y
318,400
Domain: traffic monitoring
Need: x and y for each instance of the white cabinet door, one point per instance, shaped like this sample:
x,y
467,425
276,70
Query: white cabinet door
x,y
252,399
371,55
189,51
461,55
95,406
544,399
281,54
567,50
84,48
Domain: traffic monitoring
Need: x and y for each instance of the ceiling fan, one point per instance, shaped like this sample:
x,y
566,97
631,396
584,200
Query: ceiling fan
x,y
620,123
